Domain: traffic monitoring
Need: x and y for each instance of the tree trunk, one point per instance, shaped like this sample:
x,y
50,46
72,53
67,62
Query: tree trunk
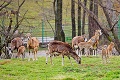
x,y
79,18
90,22
59,33
73,18
83,19
61,29
55,12
0,46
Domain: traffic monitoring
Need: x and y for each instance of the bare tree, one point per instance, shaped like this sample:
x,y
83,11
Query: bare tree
x,y
7,33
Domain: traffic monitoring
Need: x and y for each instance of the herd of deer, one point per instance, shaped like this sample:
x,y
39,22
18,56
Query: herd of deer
x,y
56,48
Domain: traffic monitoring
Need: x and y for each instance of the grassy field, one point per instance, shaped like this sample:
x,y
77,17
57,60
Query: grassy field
x,y
91,68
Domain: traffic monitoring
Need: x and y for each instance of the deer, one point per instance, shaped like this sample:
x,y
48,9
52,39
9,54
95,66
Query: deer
x,y
61,48
106,51
33,43
21,51
110,48
96,36
87,46
77,39
16,43
104,54
90,44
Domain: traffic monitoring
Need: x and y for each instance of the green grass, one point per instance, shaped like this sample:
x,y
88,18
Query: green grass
x,y
91,68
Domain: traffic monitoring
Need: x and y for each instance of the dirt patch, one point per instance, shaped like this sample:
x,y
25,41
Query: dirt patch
x,y
41,53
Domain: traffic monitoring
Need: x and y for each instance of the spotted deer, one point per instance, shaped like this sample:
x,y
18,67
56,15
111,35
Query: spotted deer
x,y
61,48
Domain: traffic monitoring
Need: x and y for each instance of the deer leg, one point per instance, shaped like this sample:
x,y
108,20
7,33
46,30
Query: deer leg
x,y
51,58
95,52
80,52
86,52
29,55
36,49
83,50
102,59
77,51
70,60
22,56
34,56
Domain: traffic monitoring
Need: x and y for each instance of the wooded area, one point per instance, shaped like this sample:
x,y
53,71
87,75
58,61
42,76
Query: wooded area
x,y
88,11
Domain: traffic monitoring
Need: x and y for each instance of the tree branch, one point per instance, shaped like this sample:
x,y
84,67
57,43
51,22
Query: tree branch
x,y
17,22
5,5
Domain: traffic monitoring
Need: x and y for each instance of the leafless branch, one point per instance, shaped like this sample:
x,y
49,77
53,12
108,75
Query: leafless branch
x,y
5,5
114,25
17,22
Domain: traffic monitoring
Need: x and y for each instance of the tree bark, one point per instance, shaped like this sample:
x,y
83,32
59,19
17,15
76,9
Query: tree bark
x,y
83,19
90,21
79,18
58,22
73,18
55,12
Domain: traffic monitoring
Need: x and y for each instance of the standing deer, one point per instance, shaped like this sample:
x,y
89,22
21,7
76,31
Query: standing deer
x,y
86,45
61,48
91,43
107,51
96,41
33,44
76,40
16,43
110,48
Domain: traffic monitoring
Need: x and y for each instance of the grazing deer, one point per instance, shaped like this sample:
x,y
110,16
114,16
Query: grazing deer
x,y
61,48
21,51
96,41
